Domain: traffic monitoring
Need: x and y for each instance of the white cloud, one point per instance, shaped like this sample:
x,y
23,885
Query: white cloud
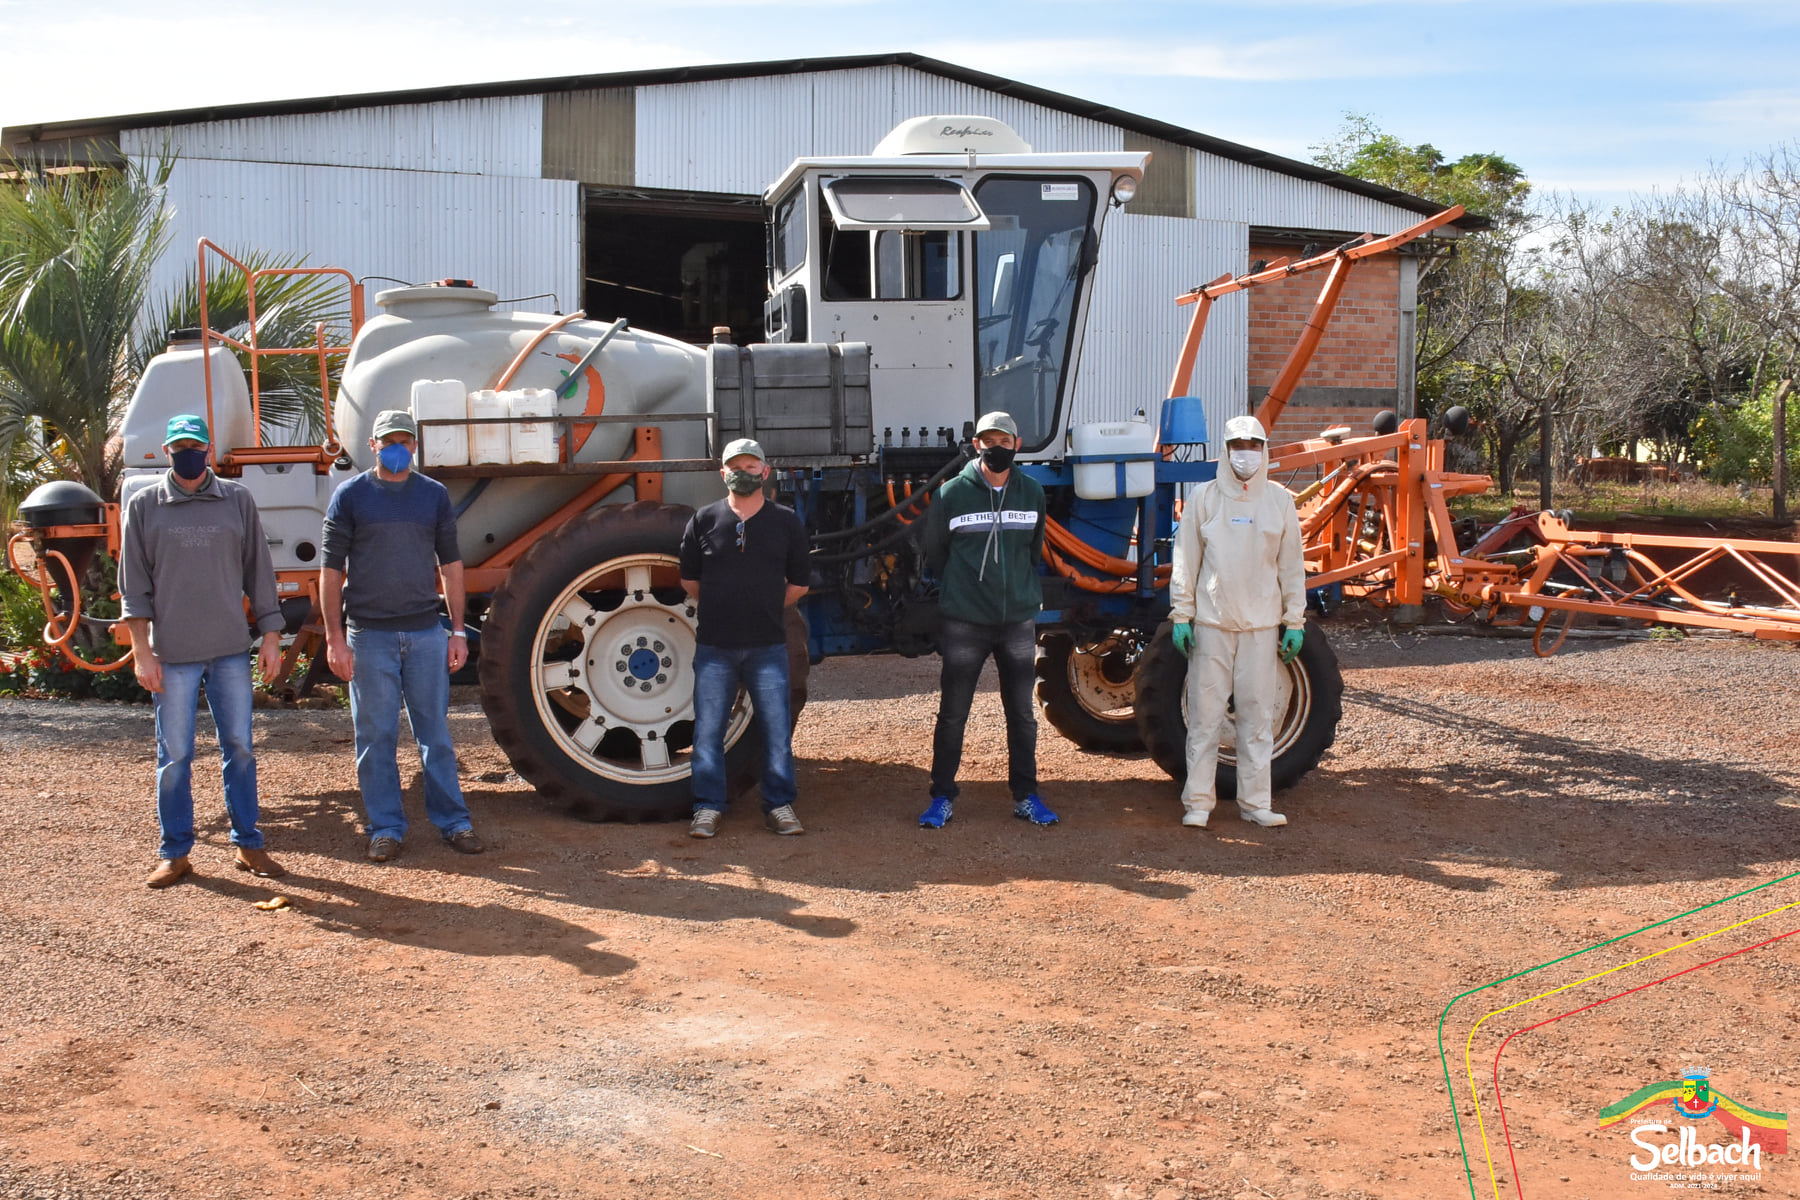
x,y
87,67
1774,113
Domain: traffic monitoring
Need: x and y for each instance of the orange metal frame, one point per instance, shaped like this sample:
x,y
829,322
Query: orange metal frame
x,y
233,459
1377,519
1378,522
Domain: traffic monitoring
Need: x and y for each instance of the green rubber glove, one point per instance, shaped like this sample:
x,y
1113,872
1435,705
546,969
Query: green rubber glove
x,y
1184,637
1290,644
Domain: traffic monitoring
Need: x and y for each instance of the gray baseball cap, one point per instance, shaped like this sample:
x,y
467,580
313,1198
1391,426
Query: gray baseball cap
x,y
997,420
394,420
742,446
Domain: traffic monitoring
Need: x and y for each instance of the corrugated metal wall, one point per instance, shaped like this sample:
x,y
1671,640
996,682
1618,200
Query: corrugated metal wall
x,y
501,136
1225,190
738,135
1134,327
515,236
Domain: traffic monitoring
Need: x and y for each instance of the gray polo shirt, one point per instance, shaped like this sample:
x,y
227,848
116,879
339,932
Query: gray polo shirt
x,y
188,562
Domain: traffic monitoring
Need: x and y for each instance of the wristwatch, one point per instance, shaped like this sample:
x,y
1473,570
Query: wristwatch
x,y
459,633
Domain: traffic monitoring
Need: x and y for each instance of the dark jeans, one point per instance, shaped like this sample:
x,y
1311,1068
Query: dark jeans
x,y
964,647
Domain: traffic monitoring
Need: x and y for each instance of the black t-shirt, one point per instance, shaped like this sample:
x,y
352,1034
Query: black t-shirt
x,y
742,589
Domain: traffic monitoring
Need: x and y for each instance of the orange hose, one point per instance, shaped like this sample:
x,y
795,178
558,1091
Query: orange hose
x,y
60,642
519,361
893,503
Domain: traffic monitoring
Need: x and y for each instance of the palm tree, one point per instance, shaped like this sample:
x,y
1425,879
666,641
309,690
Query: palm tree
x,y
75,256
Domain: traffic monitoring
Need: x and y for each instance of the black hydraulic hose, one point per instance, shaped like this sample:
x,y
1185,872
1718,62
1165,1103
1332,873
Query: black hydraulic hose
x,y
887,543
918,497
474,494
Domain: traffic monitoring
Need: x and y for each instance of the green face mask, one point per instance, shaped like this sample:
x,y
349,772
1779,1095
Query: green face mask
x,y
742,483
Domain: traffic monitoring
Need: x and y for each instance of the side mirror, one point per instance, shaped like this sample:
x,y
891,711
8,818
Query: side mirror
x,y
1387,421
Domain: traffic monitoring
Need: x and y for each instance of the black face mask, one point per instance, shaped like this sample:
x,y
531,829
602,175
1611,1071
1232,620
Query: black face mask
x,y
997,458
189,464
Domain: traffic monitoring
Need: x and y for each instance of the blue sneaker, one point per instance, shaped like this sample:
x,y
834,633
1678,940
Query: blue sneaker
x,y
938,815
1032,809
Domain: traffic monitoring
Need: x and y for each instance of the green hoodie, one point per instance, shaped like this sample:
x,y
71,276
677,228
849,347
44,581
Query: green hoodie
x,y
984,545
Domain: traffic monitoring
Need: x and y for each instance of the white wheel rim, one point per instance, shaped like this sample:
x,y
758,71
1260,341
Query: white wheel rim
x,y
1293,706
1097,695
614,672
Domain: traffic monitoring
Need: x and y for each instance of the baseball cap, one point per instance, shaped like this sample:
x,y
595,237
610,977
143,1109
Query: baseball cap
x,y
742,446
186,426
394,420
997,420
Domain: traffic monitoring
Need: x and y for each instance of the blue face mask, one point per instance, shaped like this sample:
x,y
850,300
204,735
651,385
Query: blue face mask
x,y
189,464
395,458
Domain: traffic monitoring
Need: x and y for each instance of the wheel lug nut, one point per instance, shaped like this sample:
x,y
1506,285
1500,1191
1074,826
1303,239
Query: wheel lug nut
x,y
657,646
643,641
662,679
624,649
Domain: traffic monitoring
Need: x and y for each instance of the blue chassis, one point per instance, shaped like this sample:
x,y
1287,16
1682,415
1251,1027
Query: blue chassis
x,y
1106,525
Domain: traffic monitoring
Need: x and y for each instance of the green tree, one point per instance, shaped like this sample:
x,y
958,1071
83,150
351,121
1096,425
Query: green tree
x,y
75,256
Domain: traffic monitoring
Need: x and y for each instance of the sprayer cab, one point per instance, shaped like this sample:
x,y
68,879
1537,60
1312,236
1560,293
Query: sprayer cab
x,y
965,261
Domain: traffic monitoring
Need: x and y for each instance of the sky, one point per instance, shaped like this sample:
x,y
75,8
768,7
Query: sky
x,y
1599,100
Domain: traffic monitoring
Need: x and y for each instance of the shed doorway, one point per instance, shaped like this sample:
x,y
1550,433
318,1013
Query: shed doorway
x,y
675,263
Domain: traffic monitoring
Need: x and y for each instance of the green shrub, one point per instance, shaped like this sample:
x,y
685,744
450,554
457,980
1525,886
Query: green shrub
x,y
1737,445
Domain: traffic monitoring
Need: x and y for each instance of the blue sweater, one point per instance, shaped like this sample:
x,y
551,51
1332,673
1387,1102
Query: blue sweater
x,y
389,539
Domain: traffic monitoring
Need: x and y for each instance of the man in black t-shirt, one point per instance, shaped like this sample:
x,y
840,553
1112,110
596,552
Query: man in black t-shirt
x,y
744,559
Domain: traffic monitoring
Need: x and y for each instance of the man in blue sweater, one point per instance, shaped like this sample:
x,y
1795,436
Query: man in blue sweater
x,y
390,534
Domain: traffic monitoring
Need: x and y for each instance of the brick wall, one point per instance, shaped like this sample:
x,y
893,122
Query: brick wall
x,y
1353,374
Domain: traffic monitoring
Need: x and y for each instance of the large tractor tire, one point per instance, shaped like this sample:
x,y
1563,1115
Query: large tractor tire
x,y
587,668
1308,711
1088,692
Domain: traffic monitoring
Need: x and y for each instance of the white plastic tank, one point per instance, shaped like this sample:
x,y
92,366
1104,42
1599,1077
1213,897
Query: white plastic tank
x,y
532,441
454,332
1113,459
442,400
489,445
174,382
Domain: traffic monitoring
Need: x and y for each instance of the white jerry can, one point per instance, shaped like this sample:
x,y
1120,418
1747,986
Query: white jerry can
x,y
1113,459
489,445
442,400
532,441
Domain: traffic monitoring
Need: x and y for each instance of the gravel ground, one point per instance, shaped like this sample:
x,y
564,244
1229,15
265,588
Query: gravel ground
x,y
1115,1008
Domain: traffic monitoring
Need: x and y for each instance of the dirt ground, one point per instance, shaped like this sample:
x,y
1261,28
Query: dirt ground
x,y
1113,1008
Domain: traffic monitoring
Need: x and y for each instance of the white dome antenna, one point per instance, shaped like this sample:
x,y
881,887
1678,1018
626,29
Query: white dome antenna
x,y
951,135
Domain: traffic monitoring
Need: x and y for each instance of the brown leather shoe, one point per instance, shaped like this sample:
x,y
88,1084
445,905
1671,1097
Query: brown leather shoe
x,y
258,862
169,870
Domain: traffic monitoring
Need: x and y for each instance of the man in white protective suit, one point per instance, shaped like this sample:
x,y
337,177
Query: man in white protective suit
x,y
1238,595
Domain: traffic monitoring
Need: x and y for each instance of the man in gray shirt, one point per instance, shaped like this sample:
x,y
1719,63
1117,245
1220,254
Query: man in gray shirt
x,y
193,550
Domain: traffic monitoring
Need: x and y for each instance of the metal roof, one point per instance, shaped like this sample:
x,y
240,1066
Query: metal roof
x,y
18,139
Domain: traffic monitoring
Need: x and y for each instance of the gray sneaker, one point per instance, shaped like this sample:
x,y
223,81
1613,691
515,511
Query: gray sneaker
x,y
706,823
383,849
783,821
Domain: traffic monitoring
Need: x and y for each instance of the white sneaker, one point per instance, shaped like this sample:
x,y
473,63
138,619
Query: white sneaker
x,y
1262,816
706,823
1195,819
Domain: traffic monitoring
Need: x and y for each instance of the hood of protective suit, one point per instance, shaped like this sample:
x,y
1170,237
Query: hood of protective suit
x,y
1237,562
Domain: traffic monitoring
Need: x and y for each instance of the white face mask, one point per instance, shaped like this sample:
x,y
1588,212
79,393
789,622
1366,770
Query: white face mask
x,y
1244,463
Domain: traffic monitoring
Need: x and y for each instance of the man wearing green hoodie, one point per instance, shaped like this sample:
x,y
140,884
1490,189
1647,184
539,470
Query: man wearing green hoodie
x,y
984,535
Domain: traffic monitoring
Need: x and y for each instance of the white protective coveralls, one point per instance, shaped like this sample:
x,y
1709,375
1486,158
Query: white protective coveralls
x,y
1238,575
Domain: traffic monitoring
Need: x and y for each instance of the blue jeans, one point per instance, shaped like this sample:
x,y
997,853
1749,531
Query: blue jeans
x,y
410,666
228,690
762,671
